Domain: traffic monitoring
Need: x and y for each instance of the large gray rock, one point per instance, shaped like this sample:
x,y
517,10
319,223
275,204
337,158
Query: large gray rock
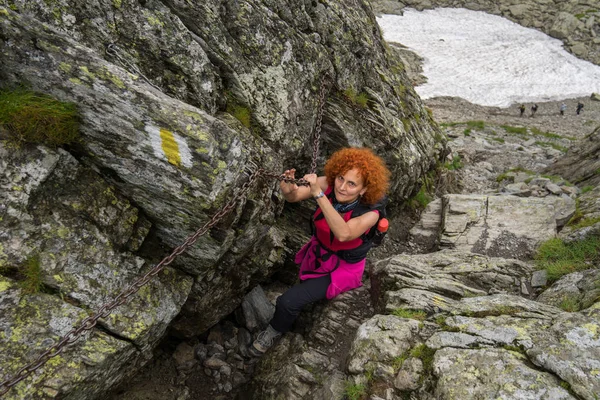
x,y
180,162
492,373
565,344
78,230
154,126
257,309
426,233
31,323
574,292
449,273
380,340
500,226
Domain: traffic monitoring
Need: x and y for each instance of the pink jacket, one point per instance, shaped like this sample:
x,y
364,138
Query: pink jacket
x,y
316,262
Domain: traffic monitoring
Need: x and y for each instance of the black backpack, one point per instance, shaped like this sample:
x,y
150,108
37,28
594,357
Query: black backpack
x,y
373,238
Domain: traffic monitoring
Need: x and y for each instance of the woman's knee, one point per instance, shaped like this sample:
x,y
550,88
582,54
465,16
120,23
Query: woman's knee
x,y
289,303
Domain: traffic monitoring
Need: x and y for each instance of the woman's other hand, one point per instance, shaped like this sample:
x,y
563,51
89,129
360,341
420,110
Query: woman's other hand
x,y
288,188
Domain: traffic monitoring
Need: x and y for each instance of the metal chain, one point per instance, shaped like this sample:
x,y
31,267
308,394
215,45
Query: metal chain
x,y
105,310
317,130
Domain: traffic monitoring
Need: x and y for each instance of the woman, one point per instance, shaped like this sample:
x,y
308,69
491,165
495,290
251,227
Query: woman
x,y
333,261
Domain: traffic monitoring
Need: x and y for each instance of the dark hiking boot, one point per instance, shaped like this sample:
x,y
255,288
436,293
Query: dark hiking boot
x,y
264,341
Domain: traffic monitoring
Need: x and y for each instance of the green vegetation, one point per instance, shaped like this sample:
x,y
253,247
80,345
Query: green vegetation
x,y
569,304
584,14
506,175
536,132
584,222
455,164
421,199
499,140
355,391
361,99
553,145
441,321
32,272
238,110
559,258
513,129
240,113
577,216
426,355
29,117
557,179
398,361
515,349
477,125
467,132
412,314
586,189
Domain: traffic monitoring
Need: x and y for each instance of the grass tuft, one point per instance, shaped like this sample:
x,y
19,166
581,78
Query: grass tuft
x,y
33,276
240,113
412,314
586,189
455,164
360,99
477,125
355,391
514,129
559,258
569,304
584,222
29,117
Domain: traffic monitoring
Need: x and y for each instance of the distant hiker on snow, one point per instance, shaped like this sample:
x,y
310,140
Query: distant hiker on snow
x,y
579,107
533,109
563,108
522,109
350,202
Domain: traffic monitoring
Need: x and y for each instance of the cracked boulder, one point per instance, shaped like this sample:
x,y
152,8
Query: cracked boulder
x,y
433,282
492,373
499,226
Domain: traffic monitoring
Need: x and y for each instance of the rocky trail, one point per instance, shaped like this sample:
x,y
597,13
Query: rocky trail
x,y
428,322
176,102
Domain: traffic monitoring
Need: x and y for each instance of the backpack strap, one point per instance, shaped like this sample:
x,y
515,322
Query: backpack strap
x,y
365,208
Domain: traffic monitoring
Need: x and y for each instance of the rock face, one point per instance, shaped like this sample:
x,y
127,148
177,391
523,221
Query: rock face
x,y
476,339
64,219
575,22
178,102
581,164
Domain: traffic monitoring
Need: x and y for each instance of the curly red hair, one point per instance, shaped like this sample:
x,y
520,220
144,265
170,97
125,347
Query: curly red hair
x,y
372,170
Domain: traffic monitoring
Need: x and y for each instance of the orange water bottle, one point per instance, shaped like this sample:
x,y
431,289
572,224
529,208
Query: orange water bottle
x,y
382,228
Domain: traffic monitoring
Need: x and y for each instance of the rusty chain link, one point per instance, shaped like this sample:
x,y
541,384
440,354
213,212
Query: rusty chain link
x,y
317,130
105,310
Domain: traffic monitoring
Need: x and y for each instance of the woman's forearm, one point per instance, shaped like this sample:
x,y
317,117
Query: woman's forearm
x,y
336,223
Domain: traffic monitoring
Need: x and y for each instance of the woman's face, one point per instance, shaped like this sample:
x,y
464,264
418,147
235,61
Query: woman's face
x,y
349,186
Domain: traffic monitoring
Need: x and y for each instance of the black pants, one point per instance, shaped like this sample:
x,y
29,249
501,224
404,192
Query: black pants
x,y
291,302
